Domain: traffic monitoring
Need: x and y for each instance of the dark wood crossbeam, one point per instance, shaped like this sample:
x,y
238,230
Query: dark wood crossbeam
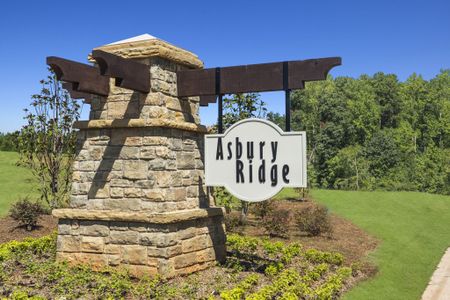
x,y
129,74
84,78
277,76
76,95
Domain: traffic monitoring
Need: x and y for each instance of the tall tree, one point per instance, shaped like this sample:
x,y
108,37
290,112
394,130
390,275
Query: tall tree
x,y
386,88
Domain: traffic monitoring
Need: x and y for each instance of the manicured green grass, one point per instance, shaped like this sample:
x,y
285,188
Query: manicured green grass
x,y
414,230
15,182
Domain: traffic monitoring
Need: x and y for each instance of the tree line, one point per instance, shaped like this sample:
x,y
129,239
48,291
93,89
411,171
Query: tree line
x,y
376,132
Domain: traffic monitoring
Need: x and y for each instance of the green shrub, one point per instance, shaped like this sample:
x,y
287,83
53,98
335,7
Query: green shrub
x,y
232,222
317,256
240,289
276,223
263,208
314,220
44,245
26,212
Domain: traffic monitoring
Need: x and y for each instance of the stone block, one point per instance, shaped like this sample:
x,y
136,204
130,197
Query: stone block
x,y
145,184
92,244
68,243
135,255
192,191
113,249
129,152
158,164
135,169
77,201
154,194
91,228
99,190
120,183
194,244
123,204
79,188
133,141
185,160
95,260
116,192
132,193
155,140
95,204
141,270
185,260
147,152
176,194
64,227
124,237
114,259
148,238
96,153
205,255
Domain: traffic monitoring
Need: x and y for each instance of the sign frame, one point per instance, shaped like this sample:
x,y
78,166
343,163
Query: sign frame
x,y
210,152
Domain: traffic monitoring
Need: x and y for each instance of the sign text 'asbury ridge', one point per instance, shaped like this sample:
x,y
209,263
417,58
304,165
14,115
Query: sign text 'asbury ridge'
x,y
254,159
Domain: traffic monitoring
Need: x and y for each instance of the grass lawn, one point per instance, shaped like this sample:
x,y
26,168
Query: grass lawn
x,y
414,229
15,182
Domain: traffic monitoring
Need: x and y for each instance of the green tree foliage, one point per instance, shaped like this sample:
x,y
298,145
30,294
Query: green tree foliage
x,y
242,106
8,141
376,132
47,142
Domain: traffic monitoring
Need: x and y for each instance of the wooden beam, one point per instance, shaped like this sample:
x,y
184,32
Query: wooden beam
x,y
253,78
76,95
84,78
129,74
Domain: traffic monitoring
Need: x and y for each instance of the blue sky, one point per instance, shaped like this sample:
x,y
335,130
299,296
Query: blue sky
x,y
398,37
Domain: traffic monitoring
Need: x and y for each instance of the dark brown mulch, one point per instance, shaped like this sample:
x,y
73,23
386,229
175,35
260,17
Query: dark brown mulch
x,y
10,230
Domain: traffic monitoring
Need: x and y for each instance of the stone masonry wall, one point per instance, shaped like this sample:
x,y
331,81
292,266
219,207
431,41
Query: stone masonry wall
x,y
141,169
169,249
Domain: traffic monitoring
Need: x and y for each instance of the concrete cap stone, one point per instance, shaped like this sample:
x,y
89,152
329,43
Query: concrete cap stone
x,y
146,45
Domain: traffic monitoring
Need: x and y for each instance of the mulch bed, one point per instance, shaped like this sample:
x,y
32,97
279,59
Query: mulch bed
x,y
9,229
353,242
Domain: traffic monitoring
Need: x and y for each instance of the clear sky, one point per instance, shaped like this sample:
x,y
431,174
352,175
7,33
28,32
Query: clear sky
x,y
398,37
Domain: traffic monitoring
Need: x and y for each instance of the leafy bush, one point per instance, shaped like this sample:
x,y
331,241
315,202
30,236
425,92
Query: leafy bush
x,y
276,222
232,222
332,258
240,289
41,246
263,208
314,219
26,212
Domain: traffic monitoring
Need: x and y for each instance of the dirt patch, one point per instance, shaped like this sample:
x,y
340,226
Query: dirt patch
x,y
9,229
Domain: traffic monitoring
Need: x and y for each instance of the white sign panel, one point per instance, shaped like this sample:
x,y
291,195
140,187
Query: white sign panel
x,y
254,159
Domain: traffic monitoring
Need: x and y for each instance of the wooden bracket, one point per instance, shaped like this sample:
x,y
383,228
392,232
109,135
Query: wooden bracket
x,y
129,74
84,78
75,94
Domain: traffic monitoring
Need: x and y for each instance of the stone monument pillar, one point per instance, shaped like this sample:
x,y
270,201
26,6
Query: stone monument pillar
x,y
138,199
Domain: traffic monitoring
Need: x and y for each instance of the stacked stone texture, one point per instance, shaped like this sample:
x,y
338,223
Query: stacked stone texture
x,y
126,162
